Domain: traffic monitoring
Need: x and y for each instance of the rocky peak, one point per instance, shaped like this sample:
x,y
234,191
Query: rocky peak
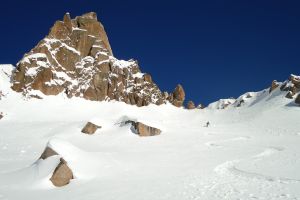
x,y
274,85
291,86
178,96
190,105
76,58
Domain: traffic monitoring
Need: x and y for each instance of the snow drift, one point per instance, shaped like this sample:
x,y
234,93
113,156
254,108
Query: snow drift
x,y
251,150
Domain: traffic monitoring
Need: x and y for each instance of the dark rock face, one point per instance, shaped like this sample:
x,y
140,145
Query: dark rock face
x,y
297,100
143,129
1,115
290,95
76,58
190,105
62,173
90,128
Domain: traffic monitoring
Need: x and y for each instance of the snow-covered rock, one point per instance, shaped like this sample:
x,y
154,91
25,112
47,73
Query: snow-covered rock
x,y
287,89
62,174
221,104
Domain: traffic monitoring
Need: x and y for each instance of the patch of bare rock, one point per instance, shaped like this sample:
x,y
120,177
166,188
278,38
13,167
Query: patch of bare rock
x,y
62,174
274,85
90,128
190,105
297,100
292,86
142,129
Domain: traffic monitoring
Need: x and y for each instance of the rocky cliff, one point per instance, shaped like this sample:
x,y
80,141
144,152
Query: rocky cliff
x,y
76,59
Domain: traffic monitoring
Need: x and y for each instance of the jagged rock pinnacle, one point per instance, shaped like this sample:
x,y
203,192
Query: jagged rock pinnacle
x,y
76,58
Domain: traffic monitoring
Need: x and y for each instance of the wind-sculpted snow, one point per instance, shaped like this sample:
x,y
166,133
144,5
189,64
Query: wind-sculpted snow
x,y
248,152
5,79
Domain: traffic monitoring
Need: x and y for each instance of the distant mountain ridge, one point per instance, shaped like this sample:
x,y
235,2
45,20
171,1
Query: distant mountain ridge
x,y
289,89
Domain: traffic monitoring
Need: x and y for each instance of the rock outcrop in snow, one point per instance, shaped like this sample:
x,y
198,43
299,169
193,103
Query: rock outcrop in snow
x,y
297,100
274,85
76,59
145,130
62,173
292,86
142,129
190,105
90,128
177,97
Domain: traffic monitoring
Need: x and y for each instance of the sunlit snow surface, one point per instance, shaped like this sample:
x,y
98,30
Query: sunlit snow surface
x,y
249,152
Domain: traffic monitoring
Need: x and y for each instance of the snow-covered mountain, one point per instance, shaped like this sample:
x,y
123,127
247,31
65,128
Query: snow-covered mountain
x,y
249,150
289,88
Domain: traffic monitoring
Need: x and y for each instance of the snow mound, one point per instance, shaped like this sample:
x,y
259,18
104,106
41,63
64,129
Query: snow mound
x,y
5,79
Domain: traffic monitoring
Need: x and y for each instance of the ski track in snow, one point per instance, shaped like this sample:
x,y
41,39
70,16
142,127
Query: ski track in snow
x,y
220,143
233,183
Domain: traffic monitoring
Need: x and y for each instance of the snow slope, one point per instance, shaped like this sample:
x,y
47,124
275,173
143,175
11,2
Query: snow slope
x,y
248,152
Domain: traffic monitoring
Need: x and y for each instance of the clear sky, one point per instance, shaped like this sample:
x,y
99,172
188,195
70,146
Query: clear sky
x,y
215,48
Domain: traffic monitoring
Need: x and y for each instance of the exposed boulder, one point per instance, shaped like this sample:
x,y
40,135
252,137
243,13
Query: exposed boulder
x,y
62,173
274,85
145,130
297,100
178,96
48,152
190,105
1,115
90,128
142,129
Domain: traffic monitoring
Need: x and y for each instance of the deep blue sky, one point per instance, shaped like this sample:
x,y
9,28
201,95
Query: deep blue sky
x,y
215,49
